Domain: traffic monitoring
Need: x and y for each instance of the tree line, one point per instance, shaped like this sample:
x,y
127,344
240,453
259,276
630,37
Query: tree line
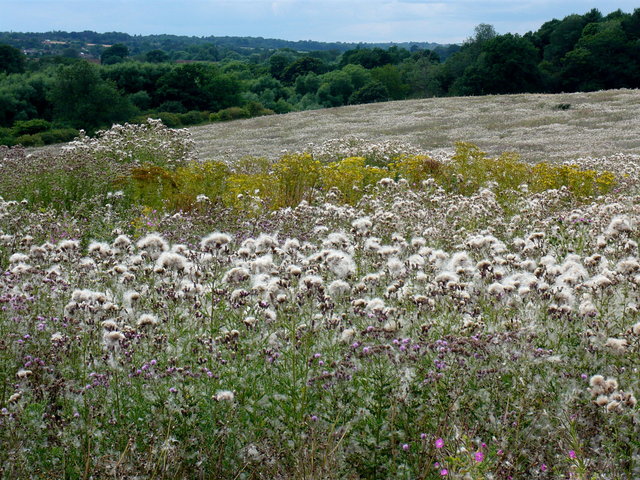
x,y
49,98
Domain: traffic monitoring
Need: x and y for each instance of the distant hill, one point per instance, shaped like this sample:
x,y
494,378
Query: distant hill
x,y
53,42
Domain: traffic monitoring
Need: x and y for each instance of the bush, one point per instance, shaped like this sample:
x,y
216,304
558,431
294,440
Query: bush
x,y
30,140
256,109
7,140
30,127
193,117
172,106
350,176
59,135
171,120
231,113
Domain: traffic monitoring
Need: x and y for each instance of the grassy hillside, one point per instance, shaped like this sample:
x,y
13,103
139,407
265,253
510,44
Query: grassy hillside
x,y
539,127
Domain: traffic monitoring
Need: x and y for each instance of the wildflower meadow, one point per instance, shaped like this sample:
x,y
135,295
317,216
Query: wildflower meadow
x,y
359,310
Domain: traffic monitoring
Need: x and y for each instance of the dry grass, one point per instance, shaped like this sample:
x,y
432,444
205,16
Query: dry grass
x,y
596,124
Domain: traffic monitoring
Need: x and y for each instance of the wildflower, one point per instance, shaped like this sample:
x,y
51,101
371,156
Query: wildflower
x,y
23,373
224,396
15,397
215,241
439,443
236,275
172,261
57,337
147,319
617,345
405,447
543,467
478,456
338,288
113,338
572,454
444,472
347,335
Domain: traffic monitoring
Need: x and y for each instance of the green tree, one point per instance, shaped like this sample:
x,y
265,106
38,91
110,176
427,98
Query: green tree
x,y
81,98
156,56
12,60
278,63
302,66
367,57
391,77
507,64
369,93
199,86
603,59
563,38
114,54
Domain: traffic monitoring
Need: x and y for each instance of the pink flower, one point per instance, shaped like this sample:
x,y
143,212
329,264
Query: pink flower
x,y
439,443
479,456
444,472
543,467
572,454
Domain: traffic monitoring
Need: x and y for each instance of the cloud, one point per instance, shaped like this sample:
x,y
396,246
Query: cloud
x,y
325,20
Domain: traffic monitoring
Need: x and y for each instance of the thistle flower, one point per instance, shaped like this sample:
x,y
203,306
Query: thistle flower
x,y
153,244
617,345
215,241
147,319
347,335
24,373
172,261
338,288
113,338
224,396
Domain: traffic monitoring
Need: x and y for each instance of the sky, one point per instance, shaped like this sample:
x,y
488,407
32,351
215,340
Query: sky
x,y
450,21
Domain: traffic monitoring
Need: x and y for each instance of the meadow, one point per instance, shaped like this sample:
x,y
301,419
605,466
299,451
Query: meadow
x,y
361,308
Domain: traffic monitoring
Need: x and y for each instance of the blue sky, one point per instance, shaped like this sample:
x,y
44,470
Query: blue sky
x,y
325,20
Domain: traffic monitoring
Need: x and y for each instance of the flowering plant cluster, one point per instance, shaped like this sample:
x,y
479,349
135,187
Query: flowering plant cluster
x,y
412,331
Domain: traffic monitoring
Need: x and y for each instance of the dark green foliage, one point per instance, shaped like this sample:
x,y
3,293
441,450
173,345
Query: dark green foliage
x,y
12,60
368,58
303,66
156,56
199,86
370,93
58,135
114,54
83,99
29,127
508,64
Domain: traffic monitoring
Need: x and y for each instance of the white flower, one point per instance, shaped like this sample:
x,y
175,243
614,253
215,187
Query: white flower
x,y
224,396
215,241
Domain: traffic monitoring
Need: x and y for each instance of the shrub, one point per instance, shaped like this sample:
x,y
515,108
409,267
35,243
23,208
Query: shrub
x,y
202,178
30,127
136,145
296,175
193,117
256,109
171,120
416,168
30,140
231,113
350,176
59,135
61,181
152,186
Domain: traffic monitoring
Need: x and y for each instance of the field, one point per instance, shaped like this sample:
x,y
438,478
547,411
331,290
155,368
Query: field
x,y
392,304
538,127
